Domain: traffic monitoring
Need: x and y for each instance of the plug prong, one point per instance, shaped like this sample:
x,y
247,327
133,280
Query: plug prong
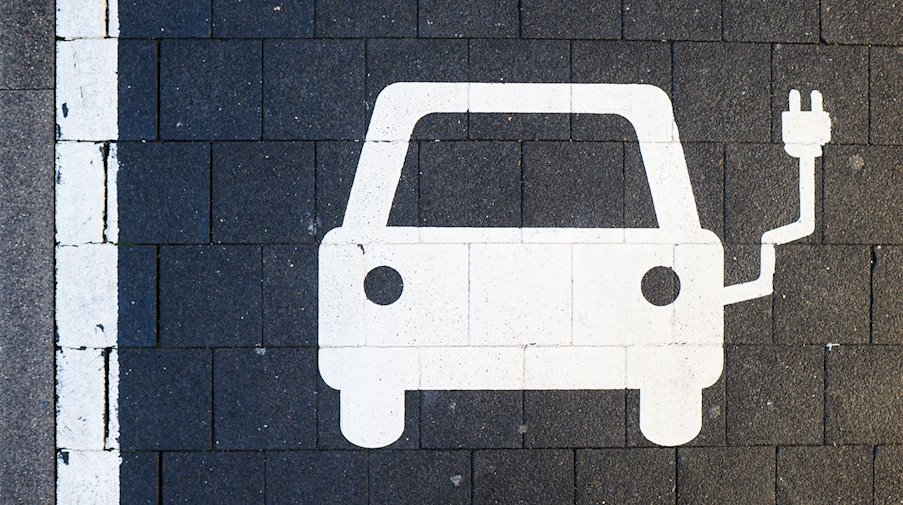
x,y
817,101
795,101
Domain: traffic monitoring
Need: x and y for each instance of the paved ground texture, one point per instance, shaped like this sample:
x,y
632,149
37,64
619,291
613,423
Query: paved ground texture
x,y
236,133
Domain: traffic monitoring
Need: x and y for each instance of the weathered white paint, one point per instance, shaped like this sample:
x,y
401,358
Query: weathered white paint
x,y
81,19
87,89
113,18
79,193
112,441
86,295
111,233
554,308
87,477
80,388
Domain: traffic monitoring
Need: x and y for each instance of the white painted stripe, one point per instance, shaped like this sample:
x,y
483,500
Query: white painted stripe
x,y
80,386
87,89
81,19
79,193
87,478
86,295
111,233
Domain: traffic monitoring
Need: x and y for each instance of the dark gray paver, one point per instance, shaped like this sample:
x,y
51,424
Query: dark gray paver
x,y
501,477
419,477
263,192
721,91
862,400
210,296
165,399
322,477
574,419
887,297
572,19
137,323
468,18
665,19
821,294
401,60
313,90
471,419
573,184
26,45
888,475
519,61
210,90
617,62
861,22
626,476
27,459
885,96
379,18
839,72
265,398
137,101
139,480
290,295
164,19
329,434
863,185
217,477
470,184
718,475
243,19
746,322
775,395
824,475
771,21
163,192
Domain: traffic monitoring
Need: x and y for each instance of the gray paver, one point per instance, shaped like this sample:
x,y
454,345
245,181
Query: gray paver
x,y
887,319
862,401
861,22
886,98
468,18
675,20
500,479
888,475
746,322
715,476
574,19
626,476
26,45
771,21
824,475
574,419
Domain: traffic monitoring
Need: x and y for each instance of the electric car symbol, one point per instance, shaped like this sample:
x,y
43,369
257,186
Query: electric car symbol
x,y
535,308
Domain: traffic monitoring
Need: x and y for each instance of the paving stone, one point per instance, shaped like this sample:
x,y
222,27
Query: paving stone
x,y
722,92
265,398
244,19
523,476
617,62
573,184
324,478
137,102
471,419
519,61
862,188
885,97
336,167
839,72
314,90
774,395
470,184
139,478
705,164
210,90
164,399
574,419
290,296
771,21
329,433
263,192
887,295
571,19
888,475
218,477
822,294
663,19
752,207
747,322
137,324
398,477
164,19
625,476
27,45
210,296
468,18
382,18
861,22
714,406
825,475
392,60
717,475
862,399
163,192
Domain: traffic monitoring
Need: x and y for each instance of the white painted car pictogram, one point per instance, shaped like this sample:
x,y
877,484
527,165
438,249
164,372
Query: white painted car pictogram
x,y
535,308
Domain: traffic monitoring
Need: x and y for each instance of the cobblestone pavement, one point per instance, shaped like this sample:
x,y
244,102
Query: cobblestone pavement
x,y
218,144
